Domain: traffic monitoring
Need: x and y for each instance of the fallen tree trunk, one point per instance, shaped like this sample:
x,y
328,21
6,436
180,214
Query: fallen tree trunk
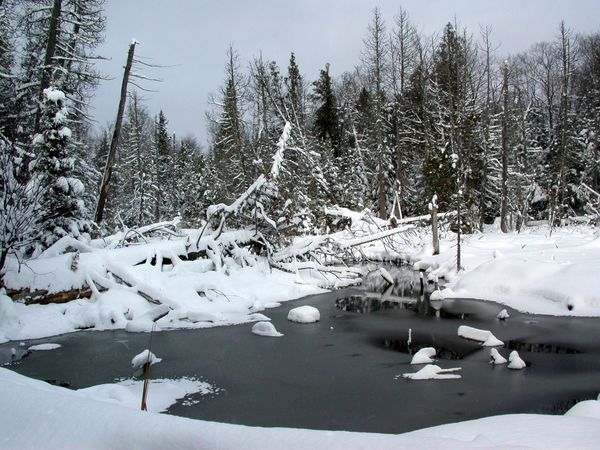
x,y
42,297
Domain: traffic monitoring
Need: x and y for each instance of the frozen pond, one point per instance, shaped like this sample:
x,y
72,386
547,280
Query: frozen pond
x,y
342,372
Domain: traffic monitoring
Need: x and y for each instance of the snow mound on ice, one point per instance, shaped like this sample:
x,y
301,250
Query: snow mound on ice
x,y
304,314
441,295
142,358
265,329
503,315
423,356
515,361
475,334
39,347
496,357
433,372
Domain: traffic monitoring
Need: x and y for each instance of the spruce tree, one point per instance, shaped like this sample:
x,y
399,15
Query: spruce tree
x,y
62,209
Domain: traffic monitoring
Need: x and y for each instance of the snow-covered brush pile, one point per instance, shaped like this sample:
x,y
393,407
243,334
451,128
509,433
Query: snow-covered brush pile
x,y
133,286
158,275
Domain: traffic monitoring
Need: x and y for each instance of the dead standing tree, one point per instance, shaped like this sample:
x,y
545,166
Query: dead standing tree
x,y
116,134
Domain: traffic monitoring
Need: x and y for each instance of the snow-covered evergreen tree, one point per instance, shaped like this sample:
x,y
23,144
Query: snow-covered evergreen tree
x,y
62,208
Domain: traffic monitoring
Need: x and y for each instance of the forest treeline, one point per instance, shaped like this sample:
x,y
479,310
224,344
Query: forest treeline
x,y
492,135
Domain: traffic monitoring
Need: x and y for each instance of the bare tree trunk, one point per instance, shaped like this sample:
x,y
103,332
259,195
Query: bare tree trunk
x,y
49,55
434,226
115,138
504,179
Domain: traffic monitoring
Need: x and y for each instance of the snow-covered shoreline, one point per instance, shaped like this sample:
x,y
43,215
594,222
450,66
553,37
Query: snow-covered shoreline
x,y
530,271
38,415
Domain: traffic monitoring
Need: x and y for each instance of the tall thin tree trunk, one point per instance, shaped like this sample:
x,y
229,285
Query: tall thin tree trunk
x,y
49,56
504,180
115,138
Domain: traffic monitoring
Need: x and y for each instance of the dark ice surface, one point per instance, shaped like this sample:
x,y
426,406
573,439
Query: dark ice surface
x,y
342,373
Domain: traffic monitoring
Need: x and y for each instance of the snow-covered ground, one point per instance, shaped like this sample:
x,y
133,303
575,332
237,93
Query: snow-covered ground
x,y
192,293
531,271
37,415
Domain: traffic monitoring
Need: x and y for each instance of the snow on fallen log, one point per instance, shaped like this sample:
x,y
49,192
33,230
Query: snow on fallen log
x,y
386,275
62,245
475,334
281,145
374,237
234,207
150,293
433,372
302,247
145,322
361,216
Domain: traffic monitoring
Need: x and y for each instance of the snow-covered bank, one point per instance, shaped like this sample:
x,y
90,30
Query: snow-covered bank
x,y
192,293
530,271
38,415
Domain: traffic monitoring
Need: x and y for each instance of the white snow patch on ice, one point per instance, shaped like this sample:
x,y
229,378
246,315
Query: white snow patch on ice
x,y
41,347
433,372
162,392
265,329
304,314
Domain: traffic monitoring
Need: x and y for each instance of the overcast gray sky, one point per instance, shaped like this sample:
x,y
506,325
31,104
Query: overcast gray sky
x,y
194,35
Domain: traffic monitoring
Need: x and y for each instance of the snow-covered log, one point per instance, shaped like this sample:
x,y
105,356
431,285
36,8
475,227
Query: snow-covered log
x,y
42,297
63,245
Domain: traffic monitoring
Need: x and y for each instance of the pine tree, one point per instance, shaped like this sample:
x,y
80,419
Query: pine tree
x,y
62,209
375,62
163,163
136,168
230,153
326,123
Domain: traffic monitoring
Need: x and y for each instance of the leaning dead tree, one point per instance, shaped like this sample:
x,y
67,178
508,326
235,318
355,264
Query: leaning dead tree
x,y
108,169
